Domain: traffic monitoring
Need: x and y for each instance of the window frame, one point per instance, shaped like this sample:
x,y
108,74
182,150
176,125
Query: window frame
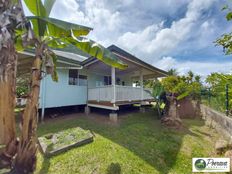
x,y
74,81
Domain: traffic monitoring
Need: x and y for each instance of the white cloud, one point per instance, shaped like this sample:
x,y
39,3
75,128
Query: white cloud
x,y
69,10
90,13
139,39
165,40
200,68
154,29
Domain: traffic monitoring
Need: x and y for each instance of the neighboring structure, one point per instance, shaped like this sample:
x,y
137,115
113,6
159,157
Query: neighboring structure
x,y
90,82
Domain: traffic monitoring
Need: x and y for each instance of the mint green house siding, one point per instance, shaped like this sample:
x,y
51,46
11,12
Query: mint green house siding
x,y
94,82
57,94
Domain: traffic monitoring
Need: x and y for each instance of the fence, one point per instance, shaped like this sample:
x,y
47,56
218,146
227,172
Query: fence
x,y
219,99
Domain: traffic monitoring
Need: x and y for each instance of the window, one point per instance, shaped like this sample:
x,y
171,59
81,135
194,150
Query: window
x,y
107,80
82,80
73,77
76,79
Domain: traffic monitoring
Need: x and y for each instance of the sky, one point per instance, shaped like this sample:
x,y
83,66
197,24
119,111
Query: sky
x,y
168,34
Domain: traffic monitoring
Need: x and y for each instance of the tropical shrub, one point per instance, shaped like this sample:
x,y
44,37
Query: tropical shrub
x,y
216,92
183,86
22,85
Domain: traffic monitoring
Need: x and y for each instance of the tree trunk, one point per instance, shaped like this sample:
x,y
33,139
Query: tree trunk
x,y
8,64
26,153
172,118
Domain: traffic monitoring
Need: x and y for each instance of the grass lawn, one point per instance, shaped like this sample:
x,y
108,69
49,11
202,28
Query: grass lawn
x,y
138,144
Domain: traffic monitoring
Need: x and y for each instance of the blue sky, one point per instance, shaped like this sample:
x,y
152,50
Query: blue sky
x,y
167,34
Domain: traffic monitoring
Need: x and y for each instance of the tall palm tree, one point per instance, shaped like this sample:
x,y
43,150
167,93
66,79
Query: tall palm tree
x,y
172,72
190,76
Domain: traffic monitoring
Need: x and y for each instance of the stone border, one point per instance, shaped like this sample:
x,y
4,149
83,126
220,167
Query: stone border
x,y
66,148
217,120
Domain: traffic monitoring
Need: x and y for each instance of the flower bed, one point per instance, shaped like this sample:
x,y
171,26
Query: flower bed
x,y
52,144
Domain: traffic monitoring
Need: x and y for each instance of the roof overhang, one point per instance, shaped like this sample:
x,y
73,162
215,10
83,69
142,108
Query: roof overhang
x,y
127,57
25,61
63,57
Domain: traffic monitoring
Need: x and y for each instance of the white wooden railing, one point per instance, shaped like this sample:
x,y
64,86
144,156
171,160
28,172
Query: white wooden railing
x,y
103,93
122,93
127,93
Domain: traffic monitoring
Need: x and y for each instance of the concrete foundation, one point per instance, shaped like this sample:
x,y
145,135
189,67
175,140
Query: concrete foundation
x,y
142,109
113,117
143,103
76,108
87,110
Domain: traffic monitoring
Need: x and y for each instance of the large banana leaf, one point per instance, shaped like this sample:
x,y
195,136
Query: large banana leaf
x,y
36,7
56,27
96,50
48,4
64,33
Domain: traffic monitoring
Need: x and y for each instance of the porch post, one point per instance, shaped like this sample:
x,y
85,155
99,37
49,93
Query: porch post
x,y
141,84
113,84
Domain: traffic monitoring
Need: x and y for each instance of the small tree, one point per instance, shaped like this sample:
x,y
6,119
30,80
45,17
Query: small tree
x,y
217,82
178,88
172,72
183,86
226,39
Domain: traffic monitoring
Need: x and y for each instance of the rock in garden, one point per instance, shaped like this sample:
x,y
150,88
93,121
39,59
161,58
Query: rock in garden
x,y
221,146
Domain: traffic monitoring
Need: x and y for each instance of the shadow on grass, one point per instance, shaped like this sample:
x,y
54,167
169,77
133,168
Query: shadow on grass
x,y
142,134
114,168
45,166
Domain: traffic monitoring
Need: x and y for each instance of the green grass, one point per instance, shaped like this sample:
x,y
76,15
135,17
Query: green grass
x,y
139,144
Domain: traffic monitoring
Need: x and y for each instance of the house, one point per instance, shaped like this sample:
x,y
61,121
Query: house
x,y
87,81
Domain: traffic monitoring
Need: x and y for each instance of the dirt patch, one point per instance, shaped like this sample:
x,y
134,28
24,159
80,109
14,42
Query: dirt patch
x,y
94,117
172,122
64,117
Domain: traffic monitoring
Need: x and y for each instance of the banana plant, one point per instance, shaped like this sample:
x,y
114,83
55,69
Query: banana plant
x,y
58,34
43,34
10,19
